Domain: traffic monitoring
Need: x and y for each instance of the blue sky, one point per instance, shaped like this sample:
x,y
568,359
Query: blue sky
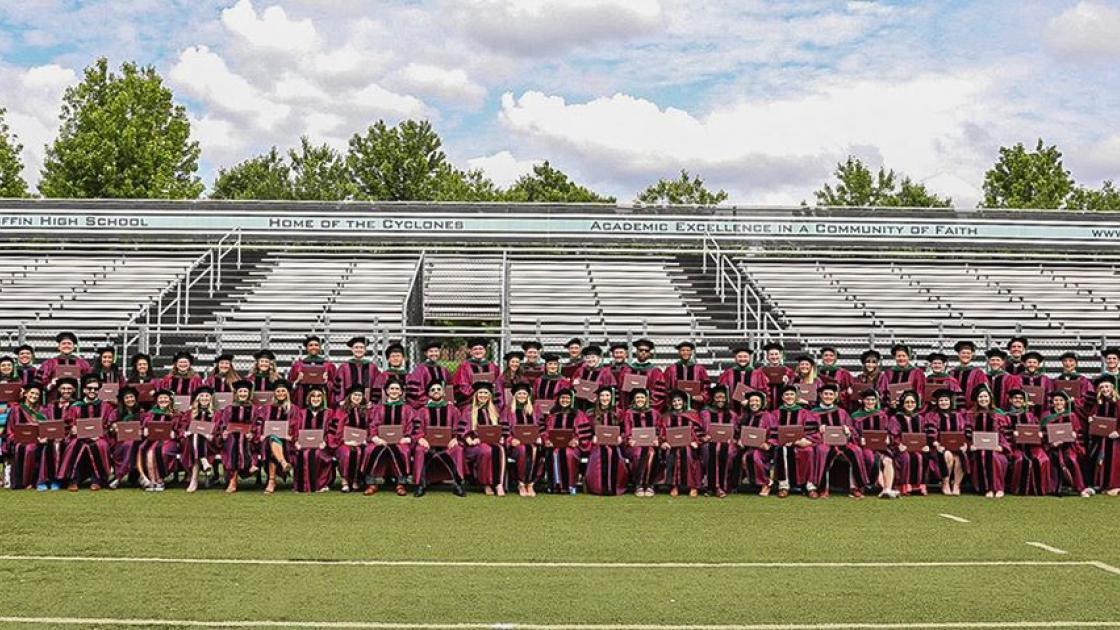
x,y
760,98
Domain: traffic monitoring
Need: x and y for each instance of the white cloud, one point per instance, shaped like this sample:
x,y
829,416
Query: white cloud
x,y
452,86
541,27
377,100
1088,31
271,30
502,167
204,75
33,117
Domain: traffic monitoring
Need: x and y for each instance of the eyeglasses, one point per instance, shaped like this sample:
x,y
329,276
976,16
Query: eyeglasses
x,y
92,388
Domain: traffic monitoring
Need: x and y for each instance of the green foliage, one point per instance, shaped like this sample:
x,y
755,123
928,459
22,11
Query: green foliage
x,y
857,186
683,191
263,177
1027,179
548,184
402,163
122,136
1105,199
11,167
311,173
319,173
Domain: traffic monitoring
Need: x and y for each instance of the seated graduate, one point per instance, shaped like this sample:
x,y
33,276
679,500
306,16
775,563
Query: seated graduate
x,y
435,462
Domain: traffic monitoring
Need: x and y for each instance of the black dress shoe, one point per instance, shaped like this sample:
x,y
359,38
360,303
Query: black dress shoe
x,y
419,492
459,491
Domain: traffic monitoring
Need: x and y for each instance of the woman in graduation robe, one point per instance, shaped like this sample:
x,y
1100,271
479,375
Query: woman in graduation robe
x,y
1084,403
487,462
312,467
831,372
870,377
384,460
433,463
87,457
359,370
425,373
682,463
157,456
106,368
592,370
902,373
264,374
606,464
512,374
239,447
880,463
562,463
755,461
140,373
551,381
124,453
794,462
738,374
23,459
761,381
182,380
989,468
645,461
952,464
353,413
717,457
223,377
1104,451
520,412
830,414
938,378
1066,457
1031,472
686,368
913,465
276,450
198,450
476,367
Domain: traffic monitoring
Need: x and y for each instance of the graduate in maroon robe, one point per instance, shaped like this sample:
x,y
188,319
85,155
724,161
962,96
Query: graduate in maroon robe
x,y
533,364
642,365
1032,375
353,413
686,368
880,463
682,463
486,462
157,456
140,373
198,450
1016,348
312,468
396,369
476,367
276,450
23,459
805,373
574,358
562,462
358,370
794,461
989,468
1104,451
1110,357
25,364
594,371
829,413
50,451
124,452
7,376
645,461
755,461
312,357
1087,400
264,374
426,372
67,347
1066,457
526,456
106,367
717,457
1031,473
390,462
952,464
511,373
87,457
939,378
869,377
607,473
913,465
999,380
430,461
968,374
620,354
240,447
831,372
738,374
551,382
902,375
223,377
774,358
182,380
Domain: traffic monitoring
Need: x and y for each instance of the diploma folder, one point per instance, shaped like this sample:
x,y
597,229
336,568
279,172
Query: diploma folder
x,y
203,428
678,437
1060,433
833,435
127,430
692,388
160,430
1028,434
108,392
644,436
9,392
311,438
561,438
526,433
630,382
586,390
489,433
775,375
876,440
721,432
895,391
913,441
25,433
985,440
1071,388
1101,427
276,428
88,428
608,435
439,436
52,429
313,375
790,433
807,392
353,436
739,394
752,437
390,433
952,440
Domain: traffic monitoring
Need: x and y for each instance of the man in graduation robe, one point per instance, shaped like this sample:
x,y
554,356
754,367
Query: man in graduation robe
x,y
761,381
1032,375
642,365
396,369
358,370
620,355
551,382
67,355
575,356
533,363
999,380
182,380
738,374
939,377
25,364
477,367
968,374
425,373
84,456
831,372
1110,357
312,357
1083,403
901,376
686,368
1016,348
429,462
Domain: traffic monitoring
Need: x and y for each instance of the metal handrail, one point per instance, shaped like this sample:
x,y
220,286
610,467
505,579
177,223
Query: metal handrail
x,y
416,283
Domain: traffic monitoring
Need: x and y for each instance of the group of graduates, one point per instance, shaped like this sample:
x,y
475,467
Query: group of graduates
x,y
533,420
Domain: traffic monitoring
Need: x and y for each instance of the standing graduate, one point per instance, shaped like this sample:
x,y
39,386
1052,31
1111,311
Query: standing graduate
x,y
1110,357
67,347
512,373
1016,348
358,370
793,461
264,374
644,460
477,367
1104,451
686,368
106,367
23,459
805,373
354,413
880,463
830,414
1033,376
869,378
620,353
574,358
1065,457
968,374
241,435
1031,472
124,452
1087,398
519,412
87,457
762,382
223,377
487,462
140,373
717,457
755,461
157,455
312,358
989,467
952,464
430,462
25,364
939,378
831,372
592,370
197,449
396,369
606,464
312,468
913,464
275,449
382,459
999,380
562,462
642,365
739,373
426,372
551,382
182,380
902,373
533,364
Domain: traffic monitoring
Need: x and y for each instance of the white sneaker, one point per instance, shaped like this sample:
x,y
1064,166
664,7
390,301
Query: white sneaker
x,y
1088,492
114,484
999,494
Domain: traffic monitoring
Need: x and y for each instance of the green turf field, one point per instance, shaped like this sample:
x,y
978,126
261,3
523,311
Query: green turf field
x,y
555,561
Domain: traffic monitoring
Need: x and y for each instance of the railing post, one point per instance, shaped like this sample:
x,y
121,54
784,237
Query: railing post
x,y
265,331
507,334
21,336
143,342
704,257
218,333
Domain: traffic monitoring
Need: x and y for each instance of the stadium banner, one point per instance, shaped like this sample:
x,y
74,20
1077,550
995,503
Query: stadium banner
x,y
559,226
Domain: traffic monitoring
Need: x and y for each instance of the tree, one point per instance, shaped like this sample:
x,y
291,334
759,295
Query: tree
x,y
11,167
402,163
1105,199
547,184
311,173
681,192
121,136
858,187
262,177
472,185
319,173
1027,179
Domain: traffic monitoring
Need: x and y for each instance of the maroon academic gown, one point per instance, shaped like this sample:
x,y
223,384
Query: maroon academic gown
x,y
1066,457
952,421
692,371
436,463
526,456
463,380
1037,379
275,413
111,375
84,457
23,458
49,453
841,378
989,468
606,465
311,466
754,462
377,392
616,368
165,452
761,382
299,396
793,463
1104,452
421,376
731,378
858,384
682,463
486,461
600,375
240,450
914,465
850,452
196,447
390,460
1002,382
1031,472
123,452
912,377
351,373
350,459
563,463
1088,399
879,420
940,380
969,377
180,384
547,386
644,460
655,383
717,458
48,369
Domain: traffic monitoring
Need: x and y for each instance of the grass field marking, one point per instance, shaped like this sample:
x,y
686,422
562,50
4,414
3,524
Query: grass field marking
x,y
374,625
1106,567
953,517
1045,547
551,565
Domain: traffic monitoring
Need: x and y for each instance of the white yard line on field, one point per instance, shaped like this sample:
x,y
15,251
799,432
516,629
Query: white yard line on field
x,y
1045,547
952,517
1106,567
373,625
